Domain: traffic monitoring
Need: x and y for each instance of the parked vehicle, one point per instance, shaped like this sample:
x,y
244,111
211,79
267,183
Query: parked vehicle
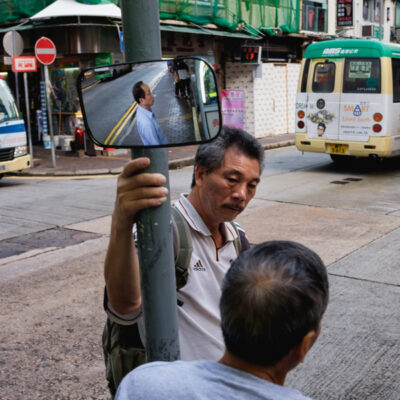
x,y
348,99
13,141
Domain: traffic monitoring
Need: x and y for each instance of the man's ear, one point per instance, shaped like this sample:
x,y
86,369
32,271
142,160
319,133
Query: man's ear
x,y
199,173
307,342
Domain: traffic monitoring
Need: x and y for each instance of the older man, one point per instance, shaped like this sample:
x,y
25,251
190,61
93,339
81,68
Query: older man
x,y
226,174
273,299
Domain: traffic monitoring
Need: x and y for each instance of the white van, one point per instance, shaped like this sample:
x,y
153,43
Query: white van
x,y
348,99
13,142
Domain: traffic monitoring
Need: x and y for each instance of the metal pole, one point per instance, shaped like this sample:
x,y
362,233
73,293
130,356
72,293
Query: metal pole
x,y
381,16
141,27
47,80
14,53
28,117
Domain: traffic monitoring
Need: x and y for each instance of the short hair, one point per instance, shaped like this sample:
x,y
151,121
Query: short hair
x,y
272,296
211,155
138,92
322,125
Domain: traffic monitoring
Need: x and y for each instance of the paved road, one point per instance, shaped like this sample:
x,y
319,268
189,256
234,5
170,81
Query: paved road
x,y
51,317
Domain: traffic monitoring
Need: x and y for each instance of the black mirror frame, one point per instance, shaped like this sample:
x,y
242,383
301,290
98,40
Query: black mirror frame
x,y
91,136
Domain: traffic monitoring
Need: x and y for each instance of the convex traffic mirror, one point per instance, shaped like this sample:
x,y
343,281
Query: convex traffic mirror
x,y
153,103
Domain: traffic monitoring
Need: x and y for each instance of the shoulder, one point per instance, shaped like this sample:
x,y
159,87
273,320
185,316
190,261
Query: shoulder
x,y
159,380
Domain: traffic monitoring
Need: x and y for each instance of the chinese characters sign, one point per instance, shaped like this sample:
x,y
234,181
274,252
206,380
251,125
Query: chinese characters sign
x,y
344,12
233,108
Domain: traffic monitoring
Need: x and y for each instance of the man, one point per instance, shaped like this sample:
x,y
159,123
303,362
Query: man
x,y
226,173
321,129
273,299
147,125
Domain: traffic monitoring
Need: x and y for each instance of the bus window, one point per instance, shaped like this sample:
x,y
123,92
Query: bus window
x,y
8,108
324,77
362,75
305,76
396,79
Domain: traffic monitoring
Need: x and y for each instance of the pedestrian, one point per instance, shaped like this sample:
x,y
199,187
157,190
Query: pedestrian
x,y
184,79
273,299
147,125
225,177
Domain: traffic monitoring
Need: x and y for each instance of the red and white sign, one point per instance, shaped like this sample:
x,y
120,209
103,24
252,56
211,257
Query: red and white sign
x,y
24,64
45,51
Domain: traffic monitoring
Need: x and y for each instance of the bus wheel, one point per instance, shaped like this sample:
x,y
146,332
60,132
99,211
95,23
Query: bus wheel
x,y
339,159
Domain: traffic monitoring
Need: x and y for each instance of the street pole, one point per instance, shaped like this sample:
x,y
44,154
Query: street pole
x,y
14,46
50,117
142,40
28,117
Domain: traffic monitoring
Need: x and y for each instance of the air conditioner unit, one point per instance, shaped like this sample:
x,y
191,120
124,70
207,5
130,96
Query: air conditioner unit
x,y
397,35
368,30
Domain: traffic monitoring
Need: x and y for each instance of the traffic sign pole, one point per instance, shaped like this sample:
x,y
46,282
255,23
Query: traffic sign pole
x,y
50,117
28,117
45,52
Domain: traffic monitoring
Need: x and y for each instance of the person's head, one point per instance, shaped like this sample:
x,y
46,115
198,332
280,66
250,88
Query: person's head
x,y
321,128
142,95
273,299
226,173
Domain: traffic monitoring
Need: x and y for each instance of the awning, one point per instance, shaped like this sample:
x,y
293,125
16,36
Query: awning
x,y
72,8
204,31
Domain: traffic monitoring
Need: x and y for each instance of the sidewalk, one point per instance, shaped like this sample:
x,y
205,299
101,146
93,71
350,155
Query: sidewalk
x,y
73,165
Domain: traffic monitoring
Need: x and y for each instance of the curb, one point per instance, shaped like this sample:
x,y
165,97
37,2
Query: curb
x,y
172,165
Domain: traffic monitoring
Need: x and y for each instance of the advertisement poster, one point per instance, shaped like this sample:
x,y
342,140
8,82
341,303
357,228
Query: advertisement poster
x,y
233,108
344,12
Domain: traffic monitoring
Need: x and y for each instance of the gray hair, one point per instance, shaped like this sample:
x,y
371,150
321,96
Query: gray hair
x,y
211,155
272,296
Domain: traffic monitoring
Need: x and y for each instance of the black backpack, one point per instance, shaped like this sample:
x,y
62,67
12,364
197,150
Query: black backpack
x,y
122,346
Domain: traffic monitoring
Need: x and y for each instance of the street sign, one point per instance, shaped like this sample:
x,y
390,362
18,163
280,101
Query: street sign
x,y
45,51
24,64
13,43
250,54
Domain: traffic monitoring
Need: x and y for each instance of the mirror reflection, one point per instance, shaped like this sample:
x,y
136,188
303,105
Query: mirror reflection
x,y
158,103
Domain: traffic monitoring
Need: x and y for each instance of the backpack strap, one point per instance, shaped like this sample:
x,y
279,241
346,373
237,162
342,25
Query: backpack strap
x,y
184,247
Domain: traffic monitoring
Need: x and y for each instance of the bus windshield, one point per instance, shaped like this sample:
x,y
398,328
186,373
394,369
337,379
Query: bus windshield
x,y
362,75
8,108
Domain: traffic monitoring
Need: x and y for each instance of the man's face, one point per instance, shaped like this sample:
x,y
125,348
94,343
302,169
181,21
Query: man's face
x,y
148,100
226,191
321,130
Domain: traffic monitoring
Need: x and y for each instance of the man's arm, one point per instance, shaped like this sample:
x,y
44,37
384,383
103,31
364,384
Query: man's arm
x,y
135,192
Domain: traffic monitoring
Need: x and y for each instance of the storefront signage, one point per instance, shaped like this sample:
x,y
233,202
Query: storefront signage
x,y
45,51
24,64
344,12
233,108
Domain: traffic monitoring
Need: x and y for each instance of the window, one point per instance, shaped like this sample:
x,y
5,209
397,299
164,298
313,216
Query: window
x,y
371,10
397,15
362,75
324,77
314,16
396,79
304,78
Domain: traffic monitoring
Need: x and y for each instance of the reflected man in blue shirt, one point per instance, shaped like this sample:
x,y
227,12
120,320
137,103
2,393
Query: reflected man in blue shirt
x,y
147,125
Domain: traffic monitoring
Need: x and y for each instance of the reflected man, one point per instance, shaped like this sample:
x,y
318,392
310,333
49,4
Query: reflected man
x,y
147,125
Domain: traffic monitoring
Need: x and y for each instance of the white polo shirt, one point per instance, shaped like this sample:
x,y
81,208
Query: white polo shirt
x,y
200,335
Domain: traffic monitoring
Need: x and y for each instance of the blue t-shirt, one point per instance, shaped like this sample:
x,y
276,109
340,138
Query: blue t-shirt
x,y
199,380
148,128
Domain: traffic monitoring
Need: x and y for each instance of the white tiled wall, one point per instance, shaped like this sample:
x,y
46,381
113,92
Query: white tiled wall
x,y
269,99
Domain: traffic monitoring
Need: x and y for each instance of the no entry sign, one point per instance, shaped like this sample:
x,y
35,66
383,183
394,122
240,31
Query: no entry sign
x,y
45,51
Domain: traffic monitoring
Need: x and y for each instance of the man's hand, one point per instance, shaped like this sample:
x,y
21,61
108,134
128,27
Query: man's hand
x,y
137,191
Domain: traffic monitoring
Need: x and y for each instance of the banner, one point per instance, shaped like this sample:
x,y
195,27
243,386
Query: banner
x,y
233,108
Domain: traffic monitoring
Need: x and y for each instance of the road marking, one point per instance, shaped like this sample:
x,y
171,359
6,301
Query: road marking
x,y
121,124
53,178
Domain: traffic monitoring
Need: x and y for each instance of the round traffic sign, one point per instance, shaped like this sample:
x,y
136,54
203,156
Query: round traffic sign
x,y
45,51
13,43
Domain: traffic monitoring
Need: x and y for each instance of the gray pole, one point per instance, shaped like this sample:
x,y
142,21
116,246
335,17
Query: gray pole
x,y
381,18
14,53
28,117
141,27
50,117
